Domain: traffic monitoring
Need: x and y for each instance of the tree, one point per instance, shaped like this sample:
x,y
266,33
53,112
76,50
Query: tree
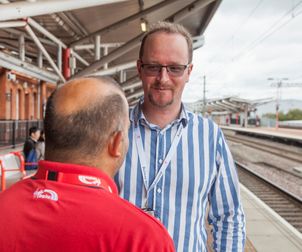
x,y
294,114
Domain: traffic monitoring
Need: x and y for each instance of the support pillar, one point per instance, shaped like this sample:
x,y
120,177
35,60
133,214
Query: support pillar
x,y
97,46
66,65
22,47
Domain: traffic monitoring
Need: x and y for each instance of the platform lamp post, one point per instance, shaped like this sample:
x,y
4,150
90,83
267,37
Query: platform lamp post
x,y
278,84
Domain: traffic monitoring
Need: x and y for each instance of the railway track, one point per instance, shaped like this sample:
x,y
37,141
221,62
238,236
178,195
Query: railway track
x,y
269,147
288,206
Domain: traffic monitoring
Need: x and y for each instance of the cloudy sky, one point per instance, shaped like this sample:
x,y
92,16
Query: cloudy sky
x,y
246,43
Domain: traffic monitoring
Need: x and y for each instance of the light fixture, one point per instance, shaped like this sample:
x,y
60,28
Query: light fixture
x,y
25,86
143,25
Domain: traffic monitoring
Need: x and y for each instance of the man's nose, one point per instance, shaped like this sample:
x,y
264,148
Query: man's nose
x,y
163,74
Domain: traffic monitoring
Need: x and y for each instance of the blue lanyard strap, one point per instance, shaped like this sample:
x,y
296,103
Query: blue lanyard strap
x,y
142,156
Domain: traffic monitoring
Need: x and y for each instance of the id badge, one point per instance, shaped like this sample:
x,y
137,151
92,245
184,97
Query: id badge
x,y
149,211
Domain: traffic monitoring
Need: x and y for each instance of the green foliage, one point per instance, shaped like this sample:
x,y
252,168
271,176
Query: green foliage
x,y
293,114
269,115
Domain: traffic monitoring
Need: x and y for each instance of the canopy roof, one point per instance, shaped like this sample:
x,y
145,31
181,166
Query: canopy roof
x,y
104,35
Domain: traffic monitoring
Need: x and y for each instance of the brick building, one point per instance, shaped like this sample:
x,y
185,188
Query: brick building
x,y
22,97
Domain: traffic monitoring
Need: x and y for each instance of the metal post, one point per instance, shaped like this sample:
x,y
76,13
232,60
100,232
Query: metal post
x,y
59,58
279,84
97,47
22,47
14,134
66,66
246,115
121,76
105,52
40,59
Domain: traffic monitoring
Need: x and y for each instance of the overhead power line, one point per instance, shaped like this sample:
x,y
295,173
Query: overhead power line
x,y
271,30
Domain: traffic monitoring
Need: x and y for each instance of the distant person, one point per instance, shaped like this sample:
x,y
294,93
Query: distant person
x,y
40,147
29,148
179,162
72,202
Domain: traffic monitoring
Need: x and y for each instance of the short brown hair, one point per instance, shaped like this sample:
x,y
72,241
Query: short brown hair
x,y
171,28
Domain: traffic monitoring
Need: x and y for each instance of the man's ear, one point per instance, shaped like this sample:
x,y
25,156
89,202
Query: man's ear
x,y
115,144
190,67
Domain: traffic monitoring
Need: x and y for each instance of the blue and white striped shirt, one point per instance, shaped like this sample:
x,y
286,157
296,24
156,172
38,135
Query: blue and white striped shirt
x,y
201,171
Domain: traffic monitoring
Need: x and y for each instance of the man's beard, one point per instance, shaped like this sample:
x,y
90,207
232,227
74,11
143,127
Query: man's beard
x,y
157,103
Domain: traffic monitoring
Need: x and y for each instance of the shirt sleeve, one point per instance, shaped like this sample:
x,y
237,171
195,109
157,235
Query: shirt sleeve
x,y
226,213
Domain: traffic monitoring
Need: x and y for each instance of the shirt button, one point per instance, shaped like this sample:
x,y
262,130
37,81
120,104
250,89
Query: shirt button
x,y
158,190
160,161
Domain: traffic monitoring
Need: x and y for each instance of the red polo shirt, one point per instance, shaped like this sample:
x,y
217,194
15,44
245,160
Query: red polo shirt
x,y
68,207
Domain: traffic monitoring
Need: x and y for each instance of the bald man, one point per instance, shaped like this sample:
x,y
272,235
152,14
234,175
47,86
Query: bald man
x,y
71,203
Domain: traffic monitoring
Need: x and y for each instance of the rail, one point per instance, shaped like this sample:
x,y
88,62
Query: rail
x,y
286,204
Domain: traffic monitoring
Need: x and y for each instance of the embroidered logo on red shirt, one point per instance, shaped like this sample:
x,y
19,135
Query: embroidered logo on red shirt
x,y
46,194
89,180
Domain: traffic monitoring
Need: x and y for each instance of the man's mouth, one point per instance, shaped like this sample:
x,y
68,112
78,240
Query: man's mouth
x,y
162,88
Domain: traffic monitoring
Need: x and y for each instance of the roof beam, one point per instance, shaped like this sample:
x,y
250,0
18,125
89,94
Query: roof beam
x,y
136,94
111,56
115,69
124,21
188,10
177,16
207,18
45,53
41,29
12,63
24,9
12,24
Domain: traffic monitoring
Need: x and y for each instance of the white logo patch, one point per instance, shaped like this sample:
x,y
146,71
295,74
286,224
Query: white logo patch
x,y
46,194
89,180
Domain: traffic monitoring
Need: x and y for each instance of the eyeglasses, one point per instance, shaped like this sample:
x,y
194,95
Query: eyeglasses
x,y
172,70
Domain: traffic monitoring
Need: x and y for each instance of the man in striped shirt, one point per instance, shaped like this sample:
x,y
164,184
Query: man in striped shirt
x,y
179,162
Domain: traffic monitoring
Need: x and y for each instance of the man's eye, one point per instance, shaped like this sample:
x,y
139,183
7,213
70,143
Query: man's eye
x,y
175,69
153,67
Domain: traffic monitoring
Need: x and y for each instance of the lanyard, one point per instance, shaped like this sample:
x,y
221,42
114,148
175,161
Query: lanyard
x,y
142,156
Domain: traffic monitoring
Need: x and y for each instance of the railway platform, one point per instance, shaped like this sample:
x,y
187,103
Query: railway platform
x,y
282,133
266,230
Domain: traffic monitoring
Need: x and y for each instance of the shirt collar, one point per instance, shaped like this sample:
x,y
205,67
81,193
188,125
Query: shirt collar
x,y
137,115
89,176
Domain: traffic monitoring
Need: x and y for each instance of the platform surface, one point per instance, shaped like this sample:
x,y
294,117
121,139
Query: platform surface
x,y
266,230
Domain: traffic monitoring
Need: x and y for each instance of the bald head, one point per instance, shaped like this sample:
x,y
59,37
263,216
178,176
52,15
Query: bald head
x,y
80,117
80,93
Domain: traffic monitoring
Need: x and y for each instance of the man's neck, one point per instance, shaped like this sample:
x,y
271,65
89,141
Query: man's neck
x,y
161,116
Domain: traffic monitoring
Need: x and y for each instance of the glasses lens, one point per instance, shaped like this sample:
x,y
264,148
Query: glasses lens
x,y
152,69
155,69
176,70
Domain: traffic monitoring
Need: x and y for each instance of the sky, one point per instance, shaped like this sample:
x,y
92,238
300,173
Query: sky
x,y
247,42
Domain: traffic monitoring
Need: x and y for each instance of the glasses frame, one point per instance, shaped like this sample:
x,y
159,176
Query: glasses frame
x,y
170,73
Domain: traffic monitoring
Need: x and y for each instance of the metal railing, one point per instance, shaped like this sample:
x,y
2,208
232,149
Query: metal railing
x,y
14,132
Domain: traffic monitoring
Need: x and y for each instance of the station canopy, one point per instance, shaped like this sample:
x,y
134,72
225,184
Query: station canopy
x,y
227,105
102,37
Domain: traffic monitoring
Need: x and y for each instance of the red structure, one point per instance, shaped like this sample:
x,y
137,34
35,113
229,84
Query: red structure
x,y
22,97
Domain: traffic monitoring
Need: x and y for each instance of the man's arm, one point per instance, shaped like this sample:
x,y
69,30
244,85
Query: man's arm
x,y
226,212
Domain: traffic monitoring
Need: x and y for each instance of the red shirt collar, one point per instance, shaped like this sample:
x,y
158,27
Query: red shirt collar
x,y
75,174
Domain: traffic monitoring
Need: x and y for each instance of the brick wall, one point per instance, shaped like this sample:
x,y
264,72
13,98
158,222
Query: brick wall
x,y
23,98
